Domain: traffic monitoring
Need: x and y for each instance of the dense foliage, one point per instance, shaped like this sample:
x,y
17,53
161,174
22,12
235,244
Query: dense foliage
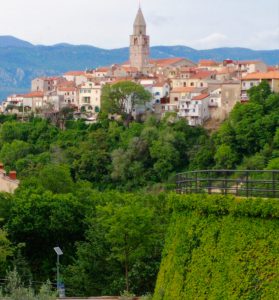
x,y
248,139
99,192
219,247
108,154
111,241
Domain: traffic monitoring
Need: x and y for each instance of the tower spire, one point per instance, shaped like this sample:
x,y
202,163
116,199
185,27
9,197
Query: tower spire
x,y
139,24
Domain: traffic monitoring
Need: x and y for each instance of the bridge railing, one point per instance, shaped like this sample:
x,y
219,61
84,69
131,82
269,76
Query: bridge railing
x,y
244,183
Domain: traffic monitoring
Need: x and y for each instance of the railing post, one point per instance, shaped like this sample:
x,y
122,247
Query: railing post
x,y
209,183
225,184
247,184
178,183
196,182
273,185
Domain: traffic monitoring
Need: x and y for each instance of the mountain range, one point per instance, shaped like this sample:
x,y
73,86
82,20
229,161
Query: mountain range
x,y
21,61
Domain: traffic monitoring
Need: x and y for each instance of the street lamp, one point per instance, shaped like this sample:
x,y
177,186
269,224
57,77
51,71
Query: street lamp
x,y
59,288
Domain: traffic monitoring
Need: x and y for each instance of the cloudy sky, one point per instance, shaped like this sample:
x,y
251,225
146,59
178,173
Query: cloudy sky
x,y
200,24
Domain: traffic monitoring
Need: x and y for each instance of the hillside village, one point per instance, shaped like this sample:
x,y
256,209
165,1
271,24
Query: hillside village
x,y
197,92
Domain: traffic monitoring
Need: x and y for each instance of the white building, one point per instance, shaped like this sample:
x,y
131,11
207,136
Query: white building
x,y
89,97
195,109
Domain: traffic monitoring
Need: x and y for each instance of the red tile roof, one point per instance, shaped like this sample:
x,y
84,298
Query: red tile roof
x,y
272,68
261,75
33,95
203,74
75,73
183,90
166,61
66,89
247,62
207,63
103,69
200,97
160,84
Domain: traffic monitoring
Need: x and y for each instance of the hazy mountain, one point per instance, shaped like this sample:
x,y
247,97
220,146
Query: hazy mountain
x,y
10,41
21,61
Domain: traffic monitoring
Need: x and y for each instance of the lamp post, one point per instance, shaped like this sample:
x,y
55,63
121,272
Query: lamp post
x,y
58,252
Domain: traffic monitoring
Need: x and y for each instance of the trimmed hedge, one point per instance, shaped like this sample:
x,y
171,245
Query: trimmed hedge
x,y
220,247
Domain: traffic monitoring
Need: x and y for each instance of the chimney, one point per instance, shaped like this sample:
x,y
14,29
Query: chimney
x,y
12,175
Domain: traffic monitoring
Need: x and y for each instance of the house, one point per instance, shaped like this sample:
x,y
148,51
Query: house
x,y
197,78
89,97
8,183
245,67
169,67
33,100
160,90
78,77
208,64
195,109
255,79
101,72
46,84
69,94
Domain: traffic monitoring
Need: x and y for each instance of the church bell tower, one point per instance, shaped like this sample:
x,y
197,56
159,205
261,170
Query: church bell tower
x,y
139,43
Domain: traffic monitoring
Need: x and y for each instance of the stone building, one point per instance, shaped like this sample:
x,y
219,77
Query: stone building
x,y
139,43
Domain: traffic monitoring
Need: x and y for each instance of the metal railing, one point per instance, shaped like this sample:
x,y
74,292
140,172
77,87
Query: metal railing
x,y
244,183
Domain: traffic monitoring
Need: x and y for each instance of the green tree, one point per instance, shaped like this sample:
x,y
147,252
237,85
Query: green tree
x,y
13,151
56,178
260,93
225,157
128,229
121,98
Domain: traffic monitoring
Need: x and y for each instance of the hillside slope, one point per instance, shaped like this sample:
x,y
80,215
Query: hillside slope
x,y
220,247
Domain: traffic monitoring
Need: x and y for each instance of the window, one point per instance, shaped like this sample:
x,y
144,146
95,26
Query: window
x,y
251,84
175,98
184,84
192,84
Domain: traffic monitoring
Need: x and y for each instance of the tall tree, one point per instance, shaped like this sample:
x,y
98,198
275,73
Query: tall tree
x,y
122,98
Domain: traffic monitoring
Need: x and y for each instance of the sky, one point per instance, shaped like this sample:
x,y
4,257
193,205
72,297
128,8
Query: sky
x,y
200,24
